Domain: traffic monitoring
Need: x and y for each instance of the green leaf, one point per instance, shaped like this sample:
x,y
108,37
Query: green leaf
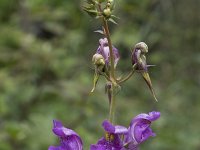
x,y
113,16
147,79
90,1
99,31
96,78
91,12
112,20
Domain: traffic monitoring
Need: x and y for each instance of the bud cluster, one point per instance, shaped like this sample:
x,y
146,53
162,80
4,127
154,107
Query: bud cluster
x,y
100,9
108,9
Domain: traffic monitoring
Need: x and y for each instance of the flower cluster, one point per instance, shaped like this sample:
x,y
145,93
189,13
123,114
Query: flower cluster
x,y
116,137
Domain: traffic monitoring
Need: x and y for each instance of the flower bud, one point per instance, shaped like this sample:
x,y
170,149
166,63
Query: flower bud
x,y
98,60
110,1
110,4
107,12
138,55
139,59
103,50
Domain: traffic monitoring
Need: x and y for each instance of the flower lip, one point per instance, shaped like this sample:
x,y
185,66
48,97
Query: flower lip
x,y
61,131
152,116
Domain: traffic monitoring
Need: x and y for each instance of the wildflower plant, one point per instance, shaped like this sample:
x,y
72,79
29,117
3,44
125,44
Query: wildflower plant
x,y
105,61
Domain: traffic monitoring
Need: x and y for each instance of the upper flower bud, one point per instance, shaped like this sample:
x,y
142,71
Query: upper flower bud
x,y
138,56
103,49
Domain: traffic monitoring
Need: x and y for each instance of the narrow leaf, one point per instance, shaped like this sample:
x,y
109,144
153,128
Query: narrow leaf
x,y
147,79
96,78
115,16
99,31
112,20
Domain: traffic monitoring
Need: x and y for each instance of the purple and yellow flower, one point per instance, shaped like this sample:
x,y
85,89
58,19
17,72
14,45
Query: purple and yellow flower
x,y
116,137
103,49
139,130
112,139
69,140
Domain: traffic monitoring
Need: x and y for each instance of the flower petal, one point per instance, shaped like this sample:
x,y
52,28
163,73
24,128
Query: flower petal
x,y
103,49
54,148
152,116
114,129
97,147
70,140
61,131
72,143
139,129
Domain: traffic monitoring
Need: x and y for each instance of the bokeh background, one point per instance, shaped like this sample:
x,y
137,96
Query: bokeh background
x,y
46,71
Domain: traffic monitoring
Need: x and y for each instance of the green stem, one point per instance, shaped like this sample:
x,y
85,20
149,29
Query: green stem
x,y
112,73
128,76
112,68
112,104
112,65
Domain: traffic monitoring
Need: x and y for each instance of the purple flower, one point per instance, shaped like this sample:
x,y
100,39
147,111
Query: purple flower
x,y
103,49
140,130
112,140
69,140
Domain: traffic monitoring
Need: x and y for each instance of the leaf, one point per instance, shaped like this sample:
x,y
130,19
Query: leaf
x,y
113,16
99,31
112,20
90,2
96,78
91,12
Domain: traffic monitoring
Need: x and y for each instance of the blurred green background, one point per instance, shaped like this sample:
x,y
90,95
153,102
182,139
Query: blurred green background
x,y
46,71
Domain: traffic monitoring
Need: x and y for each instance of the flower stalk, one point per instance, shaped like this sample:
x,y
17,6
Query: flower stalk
x,y
129,75
112,67
105,61
112,104
112,73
